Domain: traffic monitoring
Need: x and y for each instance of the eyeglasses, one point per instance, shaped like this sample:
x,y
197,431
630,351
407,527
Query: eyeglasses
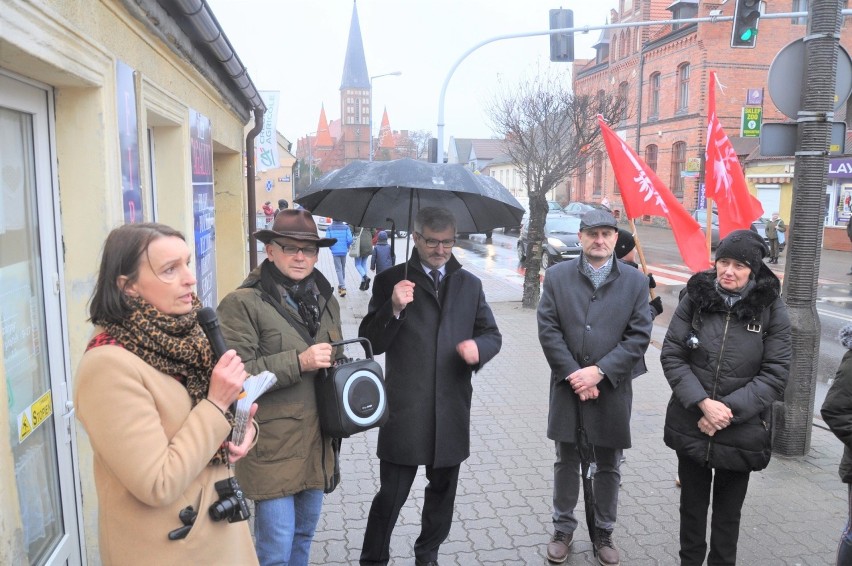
x,y
433,243
307,251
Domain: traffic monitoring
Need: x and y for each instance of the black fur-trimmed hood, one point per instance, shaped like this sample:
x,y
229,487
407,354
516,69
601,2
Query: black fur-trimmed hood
x,y
702,290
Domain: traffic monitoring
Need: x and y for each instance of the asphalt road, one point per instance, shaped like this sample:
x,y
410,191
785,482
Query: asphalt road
x,y
834,303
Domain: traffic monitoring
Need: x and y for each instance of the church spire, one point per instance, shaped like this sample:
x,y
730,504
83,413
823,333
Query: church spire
x,y
386,140
323,136
355,73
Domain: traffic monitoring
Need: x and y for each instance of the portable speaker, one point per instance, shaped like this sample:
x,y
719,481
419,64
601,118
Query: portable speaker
x,y
351,395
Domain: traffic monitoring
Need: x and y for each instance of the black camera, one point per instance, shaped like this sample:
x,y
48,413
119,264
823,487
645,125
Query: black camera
x,y
232,503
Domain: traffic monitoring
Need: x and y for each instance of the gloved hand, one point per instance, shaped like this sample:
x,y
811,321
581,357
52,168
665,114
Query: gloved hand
x,y
651,283
657,306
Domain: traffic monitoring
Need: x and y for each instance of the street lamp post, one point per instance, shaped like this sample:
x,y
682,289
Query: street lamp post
x,y
310,158
393,74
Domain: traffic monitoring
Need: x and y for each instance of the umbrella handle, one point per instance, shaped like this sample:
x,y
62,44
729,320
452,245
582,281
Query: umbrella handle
x,y
408,236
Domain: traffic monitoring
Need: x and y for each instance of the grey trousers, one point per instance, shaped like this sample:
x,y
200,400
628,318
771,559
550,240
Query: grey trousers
x,y
567,483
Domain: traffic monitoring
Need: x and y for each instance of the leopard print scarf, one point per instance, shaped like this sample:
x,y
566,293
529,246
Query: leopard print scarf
x,y
174,345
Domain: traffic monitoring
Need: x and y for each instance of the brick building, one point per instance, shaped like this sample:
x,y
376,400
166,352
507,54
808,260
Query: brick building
x,y
664,72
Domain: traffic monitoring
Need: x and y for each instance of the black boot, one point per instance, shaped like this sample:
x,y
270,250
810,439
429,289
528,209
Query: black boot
x,y
366,282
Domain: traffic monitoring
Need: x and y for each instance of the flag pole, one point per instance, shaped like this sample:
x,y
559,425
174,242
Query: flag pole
x,y
641,254
708,226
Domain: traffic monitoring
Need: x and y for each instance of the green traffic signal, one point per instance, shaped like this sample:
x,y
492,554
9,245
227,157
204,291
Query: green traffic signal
x,y
746,19
748,34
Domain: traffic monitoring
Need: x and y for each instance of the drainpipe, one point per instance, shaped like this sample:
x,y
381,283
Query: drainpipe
x,y
259,111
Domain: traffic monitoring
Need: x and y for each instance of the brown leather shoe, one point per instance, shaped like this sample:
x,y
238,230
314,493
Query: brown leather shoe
x,y
559,547
605,549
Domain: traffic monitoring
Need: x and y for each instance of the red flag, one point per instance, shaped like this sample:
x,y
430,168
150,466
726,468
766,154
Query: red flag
x,y
644,194
724,177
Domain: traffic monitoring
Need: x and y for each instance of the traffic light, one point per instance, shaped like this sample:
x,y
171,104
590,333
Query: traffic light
x,y
746,17
561,44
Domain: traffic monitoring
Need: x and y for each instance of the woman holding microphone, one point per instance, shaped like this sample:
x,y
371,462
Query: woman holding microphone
x,y
155,404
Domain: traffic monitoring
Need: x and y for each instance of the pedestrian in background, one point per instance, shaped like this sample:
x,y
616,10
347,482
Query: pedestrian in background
x,y
282,205
435,329
625,250
283,319
268,212
775,229
340,232
849,235
383,256
154,401
594,326
726,356
837,414
363,243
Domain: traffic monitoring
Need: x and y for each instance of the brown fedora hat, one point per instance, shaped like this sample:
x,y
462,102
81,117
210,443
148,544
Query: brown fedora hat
x,y
294,224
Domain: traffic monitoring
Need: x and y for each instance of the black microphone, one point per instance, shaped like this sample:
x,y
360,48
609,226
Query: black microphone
x,y
210,325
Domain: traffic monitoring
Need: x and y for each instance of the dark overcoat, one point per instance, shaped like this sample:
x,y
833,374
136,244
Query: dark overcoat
x,y
428,384
836,411
742,359
580,326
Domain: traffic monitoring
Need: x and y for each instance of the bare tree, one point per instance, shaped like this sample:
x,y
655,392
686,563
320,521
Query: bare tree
x,y
418,143
549,131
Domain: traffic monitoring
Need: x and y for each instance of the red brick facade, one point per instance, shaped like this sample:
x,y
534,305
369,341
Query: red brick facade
x,y
665,71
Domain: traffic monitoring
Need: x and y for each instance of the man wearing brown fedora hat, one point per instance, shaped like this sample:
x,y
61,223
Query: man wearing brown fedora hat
x,y
283,319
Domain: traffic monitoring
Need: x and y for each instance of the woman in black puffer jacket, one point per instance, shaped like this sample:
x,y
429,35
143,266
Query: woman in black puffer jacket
x,y
726,357
837,414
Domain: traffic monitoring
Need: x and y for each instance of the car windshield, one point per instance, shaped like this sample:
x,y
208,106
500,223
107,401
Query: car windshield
x,y
553,206
563,225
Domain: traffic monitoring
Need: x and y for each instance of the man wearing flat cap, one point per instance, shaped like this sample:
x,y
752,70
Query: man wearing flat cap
x,y
282,319
594,326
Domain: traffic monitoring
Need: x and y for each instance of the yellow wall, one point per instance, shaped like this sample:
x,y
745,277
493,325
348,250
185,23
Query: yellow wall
x,y
73,47
280,189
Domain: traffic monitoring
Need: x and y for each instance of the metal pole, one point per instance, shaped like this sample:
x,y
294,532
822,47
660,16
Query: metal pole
x,y
794,417
392,74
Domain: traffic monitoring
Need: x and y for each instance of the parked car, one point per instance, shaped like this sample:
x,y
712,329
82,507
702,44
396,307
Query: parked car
x,y
561,239
322,222
552,206
758,226
580,208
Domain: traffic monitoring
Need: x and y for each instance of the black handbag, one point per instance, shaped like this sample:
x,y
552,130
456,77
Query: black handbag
x,y
351,395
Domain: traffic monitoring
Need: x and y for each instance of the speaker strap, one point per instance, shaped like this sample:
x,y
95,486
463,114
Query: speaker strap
x,y
303,332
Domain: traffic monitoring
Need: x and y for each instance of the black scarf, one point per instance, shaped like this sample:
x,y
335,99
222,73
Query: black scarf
x,y
733,297
303,293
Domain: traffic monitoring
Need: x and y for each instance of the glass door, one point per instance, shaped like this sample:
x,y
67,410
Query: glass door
x,y
32,344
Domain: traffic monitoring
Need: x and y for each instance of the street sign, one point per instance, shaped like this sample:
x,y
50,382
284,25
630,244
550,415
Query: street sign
x,y
787,74
752,117
780,139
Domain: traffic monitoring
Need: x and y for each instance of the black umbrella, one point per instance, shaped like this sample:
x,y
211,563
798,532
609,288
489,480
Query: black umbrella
x,y
367,193
587,459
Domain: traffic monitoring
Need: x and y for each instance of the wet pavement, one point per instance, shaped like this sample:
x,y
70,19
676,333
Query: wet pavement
x,y
794,512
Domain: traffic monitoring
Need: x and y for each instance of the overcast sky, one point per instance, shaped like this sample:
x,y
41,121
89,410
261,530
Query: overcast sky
x,y
298,47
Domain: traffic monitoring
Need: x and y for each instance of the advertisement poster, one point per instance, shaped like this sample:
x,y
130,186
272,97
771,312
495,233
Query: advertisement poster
x,y
752,118
201,145
128,141
266,142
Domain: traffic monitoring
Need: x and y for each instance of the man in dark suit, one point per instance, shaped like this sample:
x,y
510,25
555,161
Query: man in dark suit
x,y
435,329
594,326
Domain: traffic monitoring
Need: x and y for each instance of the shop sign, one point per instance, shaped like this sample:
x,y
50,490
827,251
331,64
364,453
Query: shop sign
x,y
840,168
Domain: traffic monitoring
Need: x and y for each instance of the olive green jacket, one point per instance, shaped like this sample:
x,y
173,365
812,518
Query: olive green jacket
x,y
291,455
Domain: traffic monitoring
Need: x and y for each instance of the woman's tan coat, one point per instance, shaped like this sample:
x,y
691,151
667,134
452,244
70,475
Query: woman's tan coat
x,y
151,452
